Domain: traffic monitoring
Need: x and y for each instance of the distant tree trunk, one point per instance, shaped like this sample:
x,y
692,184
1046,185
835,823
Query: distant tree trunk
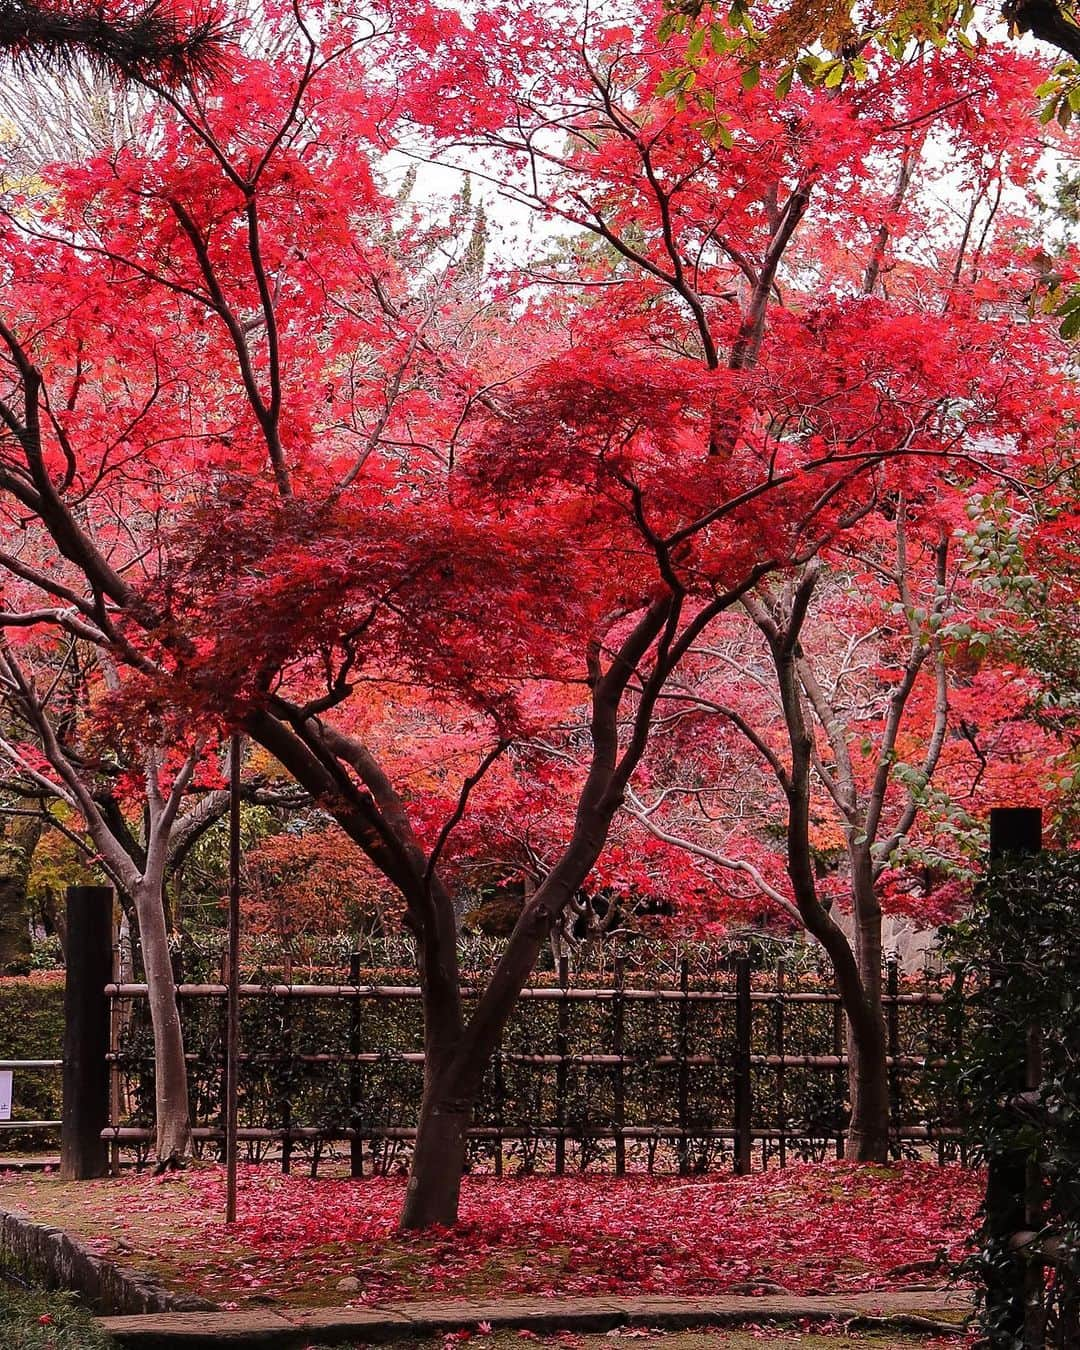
x,y
16,858
173,1123
53,916
856,964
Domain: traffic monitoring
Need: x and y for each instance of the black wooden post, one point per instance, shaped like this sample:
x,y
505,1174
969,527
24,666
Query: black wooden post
x,y
83,1152
498,1072
1014,832
683,1146
743,1112
356,1142
562,1050
286,1086
892,1015
781,1084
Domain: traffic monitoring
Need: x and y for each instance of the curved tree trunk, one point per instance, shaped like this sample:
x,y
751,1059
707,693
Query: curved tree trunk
x,y
172,1119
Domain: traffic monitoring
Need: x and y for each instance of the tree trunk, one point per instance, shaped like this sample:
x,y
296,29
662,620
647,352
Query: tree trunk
x,y
868,1078
868,1072
438,1160
16,856
172,1119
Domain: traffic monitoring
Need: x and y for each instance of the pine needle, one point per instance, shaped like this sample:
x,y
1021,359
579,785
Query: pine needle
x,y
147,43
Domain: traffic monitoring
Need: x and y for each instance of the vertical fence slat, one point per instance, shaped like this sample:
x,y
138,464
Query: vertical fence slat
x,y
356,1046
744,1010
562,1049
618,1047
684,1068
499,1076
892,1016
114,1067
286,1089
781,1077
839,1040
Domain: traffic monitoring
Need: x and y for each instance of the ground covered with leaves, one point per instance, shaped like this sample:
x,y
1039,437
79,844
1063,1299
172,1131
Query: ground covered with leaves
x,y
832,1228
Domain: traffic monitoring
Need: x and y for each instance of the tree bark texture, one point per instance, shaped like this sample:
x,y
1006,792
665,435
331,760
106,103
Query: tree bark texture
x,y
173,1121
17,846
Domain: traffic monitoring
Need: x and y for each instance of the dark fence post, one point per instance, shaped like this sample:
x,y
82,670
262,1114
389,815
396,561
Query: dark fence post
x,y
1014,832
618,1046
287,1079
683,1146
743,1070
356,1142
892,1014
83,1152
781,1084
562,1049
839,1076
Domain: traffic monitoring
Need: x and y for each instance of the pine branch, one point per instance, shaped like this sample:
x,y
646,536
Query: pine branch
x,y
148,43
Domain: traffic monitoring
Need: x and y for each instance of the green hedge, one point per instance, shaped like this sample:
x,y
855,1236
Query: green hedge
x,y
1019,950
32,1027
278,1087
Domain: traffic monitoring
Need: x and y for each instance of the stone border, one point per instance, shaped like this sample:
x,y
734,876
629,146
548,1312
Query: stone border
x,y
55,1259
930,1311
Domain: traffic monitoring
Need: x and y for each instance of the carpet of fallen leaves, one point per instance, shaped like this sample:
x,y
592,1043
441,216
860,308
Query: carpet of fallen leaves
x,y
824,1228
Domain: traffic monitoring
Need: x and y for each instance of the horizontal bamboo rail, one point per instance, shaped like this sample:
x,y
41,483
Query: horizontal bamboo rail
x,y
602,1061
132,1134
390,992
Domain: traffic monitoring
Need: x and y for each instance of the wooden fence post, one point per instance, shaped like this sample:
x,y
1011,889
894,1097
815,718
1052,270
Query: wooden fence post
x,y
562,1049
839,1076
892,1015
781,1083
744,1087
85,1113
683,1148
1014,832
618,1046
356,1045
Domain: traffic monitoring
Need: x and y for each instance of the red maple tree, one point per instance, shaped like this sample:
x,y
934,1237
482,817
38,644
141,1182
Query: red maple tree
x,y
253,449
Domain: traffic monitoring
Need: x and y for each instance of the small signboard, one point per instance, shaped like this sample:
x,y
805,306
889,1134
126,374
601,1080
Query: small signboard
x,y
5,1094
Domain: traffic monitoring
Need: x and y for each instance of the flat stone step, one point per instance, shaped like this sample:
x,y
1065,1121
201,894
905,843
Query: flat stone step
x,y
285,1328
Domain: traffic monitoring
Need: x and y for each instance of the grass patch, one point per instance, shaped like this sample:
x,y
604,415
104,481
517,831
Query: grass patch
x,y
31,1319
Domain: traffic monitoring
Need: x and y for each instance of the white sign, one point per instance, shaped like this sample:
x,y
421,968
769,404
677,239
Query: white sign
x,y
5,1094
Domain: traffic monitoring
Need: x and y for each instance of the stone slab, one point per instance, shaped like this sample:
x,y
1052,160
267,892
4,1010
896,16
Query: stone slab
x,y
286,1328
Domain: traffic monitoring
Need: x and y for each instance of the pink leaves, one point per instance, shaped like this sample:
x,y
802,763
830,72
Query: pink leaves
x,y
830,1228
